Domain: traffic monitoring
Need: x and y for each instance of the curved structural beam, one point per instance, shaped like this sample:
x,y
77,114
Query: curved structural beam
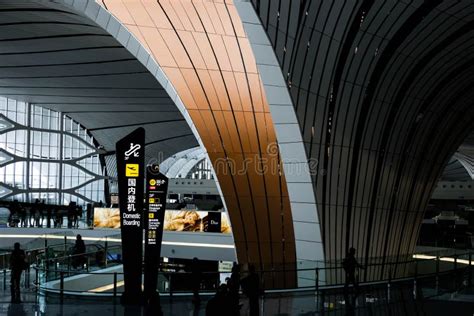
x,y
382,92
309,247
83,62
202,58
202,47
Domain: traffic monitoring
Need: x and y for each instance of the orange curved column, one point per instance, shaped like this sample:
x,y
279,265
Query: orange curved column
x,y
202,48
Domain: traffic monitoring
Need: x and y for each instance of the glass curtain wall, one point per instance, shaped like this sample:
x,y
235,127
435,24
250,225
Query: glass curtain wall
x,y
46,155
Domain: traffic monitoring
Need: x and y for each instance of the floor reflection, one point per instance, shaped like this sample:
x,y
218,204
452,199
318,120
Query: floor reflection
x,y
369,302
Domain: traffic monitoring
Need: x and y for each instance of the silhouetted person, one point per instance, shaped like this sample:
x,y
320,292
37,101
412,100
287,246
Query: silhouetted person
x,y
42,211
58,221
219,304
23,216
78,216
233,284
14,213
79,250
37,216
48,216
350,265
70,214
196,280
34,212
17,265
251,288
100,258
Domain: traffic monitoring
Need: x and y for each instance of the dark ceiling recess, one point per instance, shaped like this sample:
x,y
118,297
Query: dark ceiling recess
x,y
383,94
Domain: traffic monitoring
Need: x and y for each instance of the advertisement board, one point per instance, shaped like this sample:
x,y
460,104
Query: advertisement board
x,y
174,220
106,217
196,221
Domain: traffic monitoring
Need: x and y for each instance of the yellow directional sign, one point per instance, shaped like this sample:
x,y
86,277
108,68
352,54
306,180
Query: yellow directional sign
x,y
131,170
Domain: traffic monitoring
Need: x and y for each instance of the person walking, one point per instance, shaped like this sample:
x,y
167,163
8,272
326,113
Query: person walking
x,y
78,253
251,288
196,276
219,304
23,216
14,214
350,265
48,216
34,210
233,285
37,216
42,212
17,265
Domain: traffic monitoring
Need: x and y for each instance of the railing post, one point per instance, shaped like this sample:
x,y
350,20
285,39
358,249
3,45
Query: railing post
x,y
171,287
437,274
455,263
46,256
317,281
388,285
414,280
37,278
23,275
27,277
316,285
65,243
61,286
322,303
455,271
106,252
4,279
469,282
115,284
87,263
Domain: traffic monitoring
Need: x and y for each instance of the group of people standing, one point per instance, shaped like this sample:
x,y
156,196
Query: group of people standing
x,y
227,297
39,212
18,263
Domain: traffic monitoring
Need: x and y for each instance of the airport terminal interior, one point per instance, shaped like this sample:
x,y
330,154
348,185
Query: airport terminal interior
x,y
236,157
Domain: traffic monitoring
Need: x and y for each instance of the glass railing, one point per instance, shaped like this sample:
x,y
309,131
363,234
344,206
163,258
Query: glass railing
x,y
84,274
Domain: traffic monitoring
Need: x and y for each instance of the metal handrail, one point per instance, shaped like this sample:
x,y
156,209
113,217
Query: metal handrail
x,y
86,253
336,267
318,287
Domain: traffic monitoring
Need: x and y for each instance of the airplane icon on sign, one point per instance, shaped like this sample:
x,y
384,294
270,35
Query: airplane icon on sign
x,y
131,170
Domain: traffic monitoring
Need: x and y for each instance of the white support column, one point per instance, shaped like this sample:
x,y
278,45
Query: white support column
x,y
309,247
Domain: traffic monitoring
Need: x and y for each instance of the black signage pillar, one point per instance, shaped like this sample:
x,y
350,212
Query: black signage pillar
x,y
130,153
156,192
